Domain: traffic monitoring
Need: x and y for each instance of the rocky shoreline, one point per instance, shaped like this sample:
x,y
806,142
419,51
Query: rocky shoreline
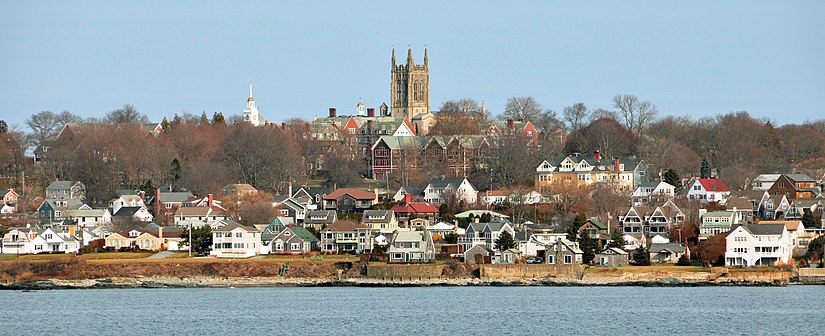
x,y
213,282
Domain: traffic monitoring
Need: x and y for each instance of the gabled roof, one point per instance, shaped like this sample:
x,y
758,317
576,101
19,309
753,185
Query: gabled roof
x,y
713,185
126,211
345,225
61,185
327,215
356,193
597,223
669,247
416,207
176,197
377,216
792,225
303,233
800,178
441,183
478,213
234,225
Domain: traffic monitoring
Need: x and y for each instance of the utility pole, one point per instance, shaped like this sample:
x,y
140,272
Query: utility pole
x,y
190,239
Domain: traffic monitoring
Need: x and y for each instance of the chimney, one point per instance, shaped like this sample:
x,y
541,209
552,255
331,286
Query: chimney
x,y
142,195
210,201
369,127
617,165
511,124
283,126
597,155
376,195
157,202
160,233
371,112
476,219
332,112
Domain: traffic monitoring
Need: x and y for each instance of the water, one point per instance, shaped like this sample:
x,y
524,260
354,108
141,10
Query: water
x,y
794,310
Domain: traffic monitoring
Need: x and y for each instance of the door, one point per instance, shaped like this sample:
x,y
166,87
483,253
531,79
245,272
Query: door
x,y
406,257
56,248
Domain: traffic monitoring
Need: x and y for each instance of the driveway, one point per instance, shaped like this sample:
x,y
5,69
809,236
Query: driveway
x,y
161,255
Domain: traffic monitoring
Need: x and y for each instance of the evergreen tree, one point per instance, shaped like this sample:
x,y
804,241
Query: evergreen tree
x,y
443,208
810,220
451,238
175,171
672,178
486,217
177,120
204,119
505,241
573,229
201,239
217,119
588,248
704,172
4,127
641,257
164,124
683,261
616,239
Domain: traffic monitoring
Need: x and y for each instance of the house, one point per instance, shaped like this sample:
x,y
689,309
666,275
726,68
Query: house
x,y
200,215
380,219
652,192
238,191
634,241
165,238
479,254
773,207
440,230
650,220
53,210
411,247
525,129
595,230
405,212
484,233
764,182
709,190
166,202
795,186
66,190
578,169
235,241
318,219
564,252
295,207
118,240
667,252
54,241
763,244
89,218
401,194
796,234
137,214
612,256
8,201
508,256
716,222
127,201
440,190
346,236
18,241
293,240
347,200
491,197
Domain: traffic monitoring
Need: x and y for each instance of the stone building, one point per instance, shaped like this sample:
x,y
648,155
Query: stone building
x,y
410,87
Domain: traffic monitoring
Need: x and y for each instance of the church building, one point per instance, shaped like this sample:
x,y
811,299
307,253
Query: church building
x,y
251,113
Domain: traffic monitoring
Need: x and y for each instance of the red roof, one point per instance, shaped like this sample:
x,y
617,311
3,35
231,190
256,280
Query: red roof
x,y
345,225
416,207
712,184
359,194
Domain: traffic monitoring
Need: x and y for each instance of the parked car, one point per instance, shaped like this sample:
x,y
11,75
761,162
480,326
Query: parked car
x,y
536,260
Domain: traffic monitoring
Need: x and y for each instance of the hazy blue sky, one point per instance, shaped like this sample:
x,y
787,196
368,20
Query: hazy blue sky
x,y
688,57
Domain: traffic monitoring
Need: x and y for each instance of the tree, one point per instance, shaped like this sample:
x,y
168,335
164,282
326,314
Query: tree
x,y
641,257
3,127
588,248
126,115
45,125
815,248
704,172
576,116
672,178
810,220
201,239
451,238
175,172
573,228
217,119
518,108
256,213
606,135
505,241
164,124
637,114
683,260
616,239
204,119
712,248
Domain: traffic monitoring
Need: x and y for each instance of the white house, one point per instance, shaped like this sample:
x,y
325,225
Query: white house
x,y
235,241
761,244
411,247
89,218
52,241
127,201
656,190
439,190
18,241
402,193
764,182
709,190
484,233
716,222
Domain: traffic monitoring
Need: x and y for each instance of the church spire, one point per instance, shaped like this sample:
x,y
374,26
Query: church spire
x,y
409,56
393,57
426,58
250,88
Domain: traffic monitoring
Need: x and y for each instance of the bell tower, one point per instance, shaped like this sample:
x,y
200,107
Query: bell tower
x,y
409,87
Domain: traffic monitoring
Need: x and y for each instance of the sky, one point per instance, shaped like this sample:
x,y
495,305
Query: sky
x,y
696,58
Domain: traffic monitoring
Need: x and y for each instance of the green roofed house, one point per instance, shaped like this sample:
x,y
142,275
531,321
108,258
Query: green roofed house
x,y
293,240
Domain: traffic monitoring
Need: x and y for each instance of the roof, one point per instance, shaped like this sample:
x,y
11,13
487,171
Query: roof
x,y
413,190
713,184
86,212
377,216
597,223
355,193
175,197
416,207
345,225
408,236
234,225
441,183
614,250
792,225
126,211
799,178
671,247
238,187
763,229
478,213
60,185
198,211
303,233
328,216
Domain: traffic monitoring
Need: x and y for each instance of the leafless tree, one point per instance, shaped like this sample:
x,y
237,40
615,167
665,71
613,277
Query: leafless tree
x,y
127,114
518,108
637,114
576,116
46,125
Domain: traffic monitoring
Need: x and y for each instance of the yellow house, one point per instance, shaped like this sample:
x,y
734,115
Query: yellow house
x,y
145,240
587,170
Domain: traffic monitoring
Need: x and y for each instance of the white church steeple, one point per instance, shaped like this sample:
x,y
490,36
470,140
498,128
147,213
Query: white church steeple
x,y
251,113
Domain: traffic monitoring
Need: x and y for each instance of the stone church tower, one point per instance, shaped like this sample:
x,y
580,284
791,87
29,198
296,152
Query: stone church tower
x,y
410,87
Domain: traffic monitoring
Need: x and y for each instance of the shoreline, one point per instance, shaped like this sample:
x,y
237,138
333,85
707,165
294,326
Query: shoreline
x,y
275,282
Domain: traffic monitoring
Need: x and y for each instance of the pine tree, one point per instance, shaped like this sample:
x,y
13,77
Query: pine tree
x,y
573,229
672,178
164,124
4,127
616,239
505,241
810,220
177,120
641,257
588,248
217,119
704,172
204,119
683,261
175,171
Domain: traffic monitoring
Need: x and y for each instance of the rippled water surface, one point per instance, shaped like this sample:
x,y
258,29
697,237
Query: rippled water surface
x,y
794,310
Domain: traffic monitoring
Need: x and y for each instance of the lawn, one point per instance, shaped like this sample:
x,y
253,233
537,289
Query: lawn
x,y
643,269
88,256
326,257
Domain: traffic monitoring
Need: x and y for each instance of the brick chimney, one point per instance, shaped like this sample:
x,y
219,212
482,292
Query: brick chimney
x,y
597,155
371,112
157,202
617,165
332,112
369,127
210,201
142,195
160,233
511,124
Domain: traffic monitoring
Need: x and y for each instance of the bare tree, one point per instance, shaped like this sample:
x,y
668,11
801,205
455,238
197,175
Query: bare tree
x,y
518,108
126,115
602,113
637,114
576,116
45,125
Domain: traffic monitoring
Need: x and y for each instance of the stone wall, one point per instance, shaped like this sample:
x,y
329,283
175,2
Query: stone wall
x,y
404,272
529,271
812,276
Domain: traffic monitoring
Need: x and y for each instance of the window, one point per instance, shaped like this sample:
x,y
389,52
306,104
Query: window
x,y
279,245
168,205
295,246
568,259
238,234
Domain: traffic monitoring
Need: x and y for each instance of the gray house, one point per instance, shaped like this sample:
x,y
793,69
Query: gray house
x,y
317,219
563,252
612,256
667,252
66,190
479,254
411,247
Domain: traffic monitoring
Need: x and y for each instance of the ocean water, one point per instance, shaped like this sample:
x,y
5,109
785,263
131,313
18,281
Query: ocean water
x,y
793,310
